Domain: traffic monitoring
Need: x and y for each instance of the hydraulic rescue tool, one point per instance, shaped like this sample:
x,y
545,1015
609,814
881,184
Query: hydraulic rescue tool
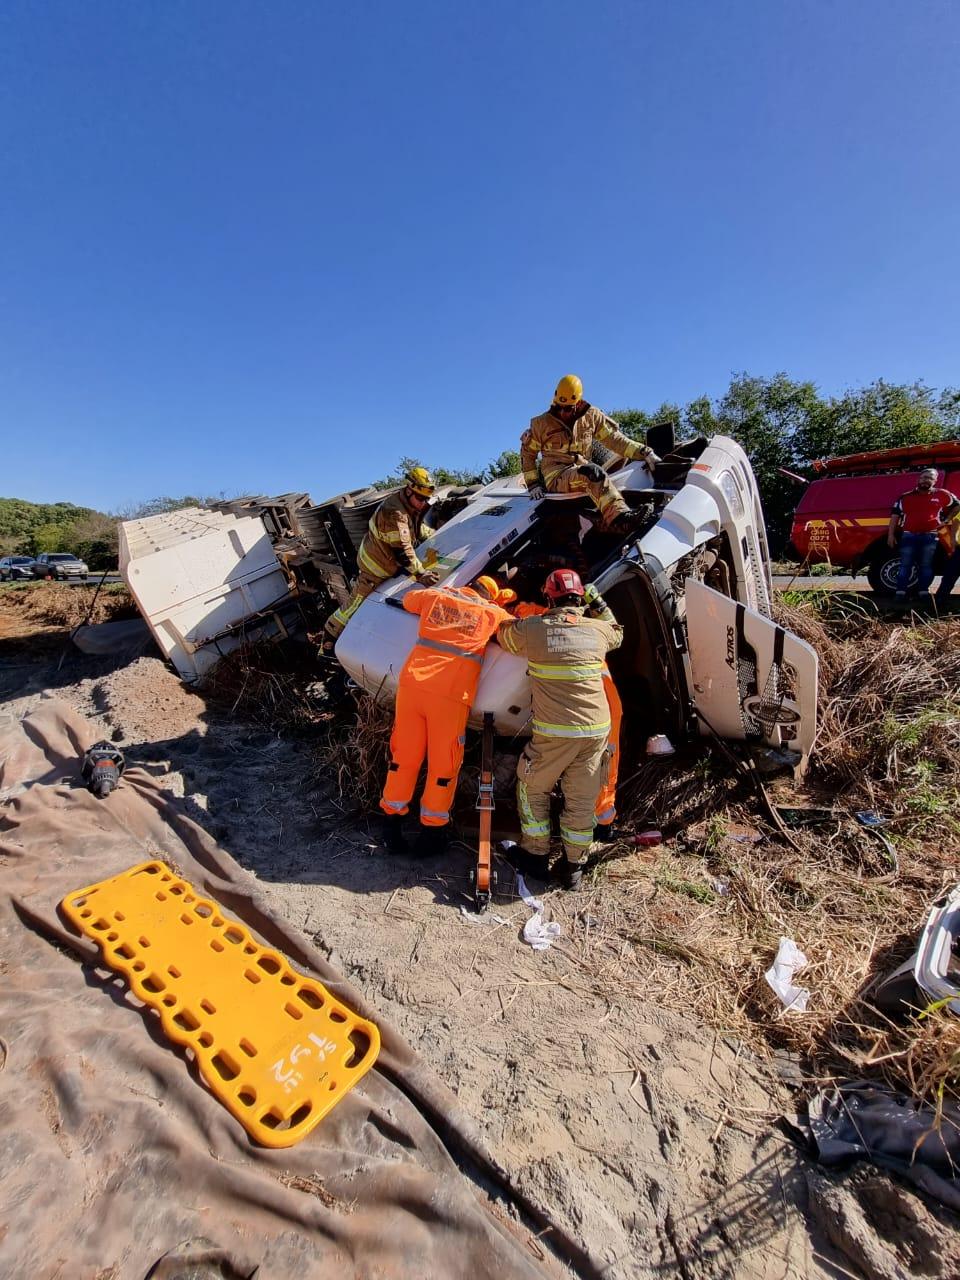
x,y
101,768
484,877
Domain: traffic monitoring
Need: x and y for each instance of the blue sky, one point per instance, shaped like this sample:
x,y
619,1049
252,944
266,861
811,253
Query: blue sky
x,y
272,246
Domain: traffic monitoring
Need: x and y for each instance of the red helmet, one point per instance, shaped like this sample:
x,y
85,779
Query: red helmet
x,y
563,582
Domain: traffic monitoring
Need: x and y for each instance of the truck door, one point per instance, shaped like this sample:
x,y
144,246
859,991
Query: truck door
x,y
751,679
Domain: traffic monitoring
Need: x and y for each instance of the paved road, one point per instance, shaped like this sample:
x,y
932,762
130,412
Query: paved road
x,y
836,583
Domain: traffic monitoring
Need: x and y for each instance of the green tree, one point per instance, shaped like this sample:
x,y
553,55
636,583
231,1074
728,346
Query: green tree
x,y
883,415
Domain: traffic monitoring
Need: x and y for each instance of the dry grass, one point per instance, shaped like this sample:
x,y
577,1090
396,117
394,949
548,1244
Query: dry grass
x,y
695,923
356,750
274,685
60,605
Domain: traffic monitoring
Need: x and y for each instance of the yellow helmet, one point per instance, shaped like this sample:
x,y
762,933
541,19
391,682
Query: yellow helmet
x,y
569,390
492,589
420,481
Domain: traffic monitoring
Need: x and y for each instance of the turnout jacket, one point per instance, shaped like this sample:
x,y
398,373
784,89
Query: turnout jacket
x,y
560,446
389,545
565,654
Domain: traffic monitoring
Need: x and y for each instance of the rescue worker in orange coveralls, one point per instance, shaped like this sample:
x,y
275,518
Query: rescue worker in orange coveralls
x,y
434,695
606,806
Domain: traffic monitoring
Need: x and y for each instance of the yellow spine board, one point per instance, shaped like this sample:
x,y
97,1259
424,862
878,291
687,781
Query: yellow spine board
x,y
274,1045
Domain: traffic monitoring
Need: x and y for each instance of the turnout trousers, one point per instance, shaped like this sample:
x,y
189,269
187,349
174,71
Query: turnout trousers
x,y
580,766
428,727
364,586
604,492
607,799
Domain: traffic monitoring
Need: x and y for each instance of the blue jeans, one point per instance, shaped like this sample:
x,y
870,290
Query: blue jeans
x,y
950,575
916,549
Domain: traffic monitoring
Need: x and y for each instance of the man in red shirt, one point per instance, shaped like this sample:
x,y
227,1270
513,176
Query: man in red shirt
x,y
920,513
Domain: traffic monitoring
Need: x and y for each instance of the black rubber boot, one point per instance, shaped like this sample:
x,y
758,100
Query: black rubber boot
x,y
571,876
534,865
430,842
627,522
393,833
610,833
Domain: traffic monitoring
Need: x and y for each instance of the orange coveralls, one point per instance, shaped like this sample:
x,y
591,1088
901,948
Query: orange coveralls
x,y
607,799
434,695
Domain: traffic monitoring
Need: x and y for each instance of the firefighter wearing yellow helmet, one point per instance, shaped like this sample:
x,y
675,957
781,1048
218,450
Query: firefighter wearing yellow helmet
x,y
388,548
555,452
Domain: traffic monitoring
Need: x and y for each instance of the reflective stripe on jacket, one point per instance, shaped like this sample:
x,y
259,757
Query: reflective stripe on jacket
x,y
560,446
455,625
565,654
389,545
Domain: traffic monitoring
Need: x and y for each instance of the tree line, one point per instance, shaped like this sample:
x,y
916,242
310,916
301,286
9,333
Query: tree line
x,y
783,424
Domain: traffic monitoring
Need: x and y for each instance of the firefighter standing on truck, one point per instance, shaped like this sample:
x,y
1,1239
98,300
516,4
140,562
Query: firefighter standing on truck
x,y
565,652
388,548
434,695
563,438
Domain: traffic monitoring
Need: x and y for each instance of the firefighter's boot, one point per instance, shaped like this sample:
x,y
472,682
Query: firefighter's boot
x,y
393,833
571,876
431,842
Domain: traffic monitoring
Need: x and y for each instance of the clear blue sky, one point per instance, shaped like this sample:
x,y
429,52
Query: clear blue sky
x,y
275,245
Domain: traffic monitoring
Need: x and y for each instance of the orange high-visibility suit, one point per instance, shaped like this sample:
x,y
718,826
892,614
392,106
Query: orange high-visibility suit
x,y
434,695
606,810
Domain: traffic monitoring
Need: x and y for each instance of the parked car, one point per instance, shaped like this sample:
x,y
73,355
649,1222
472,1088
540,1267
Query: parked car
x,y
12,567
842,517
59,565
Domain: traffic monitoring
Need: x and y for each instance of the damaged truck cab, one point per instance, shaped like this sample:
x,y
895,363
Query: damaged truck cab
x,y
691,586
701,653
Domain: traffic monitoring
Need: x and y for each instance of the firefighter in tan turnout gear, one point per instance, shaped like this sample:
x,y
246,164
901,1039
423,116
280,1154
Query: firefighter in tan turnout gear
x,y
563,440
388,548
565,651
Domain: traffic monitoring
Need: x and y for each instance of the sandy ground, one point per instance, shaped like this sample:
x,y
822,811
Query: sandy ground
x,y
654,1137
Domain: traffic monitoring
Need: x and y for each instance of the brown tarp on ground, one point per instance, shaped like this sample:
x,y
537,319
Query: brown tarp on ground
x,y
115,1159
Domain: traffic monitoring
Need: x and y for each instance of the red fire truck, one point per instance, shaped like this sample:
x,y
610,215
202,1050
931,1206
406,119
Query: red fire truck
x,y
842,517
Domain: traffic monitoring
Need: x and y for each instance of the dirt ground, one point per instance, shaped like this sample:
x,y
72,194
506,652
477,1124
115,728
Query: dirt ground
x,y
655,1138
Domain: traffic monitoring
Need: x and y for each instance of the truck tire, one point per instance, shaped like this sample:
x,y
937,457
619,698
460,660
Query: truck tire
x,y
882,573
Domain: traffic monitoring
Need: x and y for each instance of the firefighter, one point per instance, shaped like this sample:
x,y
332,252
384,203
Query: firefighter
x,y
606,807
388,547
563,441
920,513
951,572
434,695
565,654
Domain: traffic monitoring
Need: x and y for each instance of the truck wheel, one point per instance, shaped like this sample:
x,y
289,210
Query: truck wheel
x,y
883,571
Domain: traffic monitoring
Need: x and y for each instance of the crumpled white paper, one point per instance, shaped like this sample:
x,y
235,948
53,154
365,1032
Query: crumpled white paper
x,y
790,960
538,934
533,903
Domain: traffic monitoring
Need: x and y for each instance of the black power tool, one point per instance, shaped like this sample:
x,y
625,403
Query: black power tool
x,y
102,767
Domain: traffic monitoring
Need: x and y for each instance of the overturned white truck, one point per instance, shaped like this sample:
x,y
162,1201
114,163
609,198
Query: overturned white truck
x,y
701,652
